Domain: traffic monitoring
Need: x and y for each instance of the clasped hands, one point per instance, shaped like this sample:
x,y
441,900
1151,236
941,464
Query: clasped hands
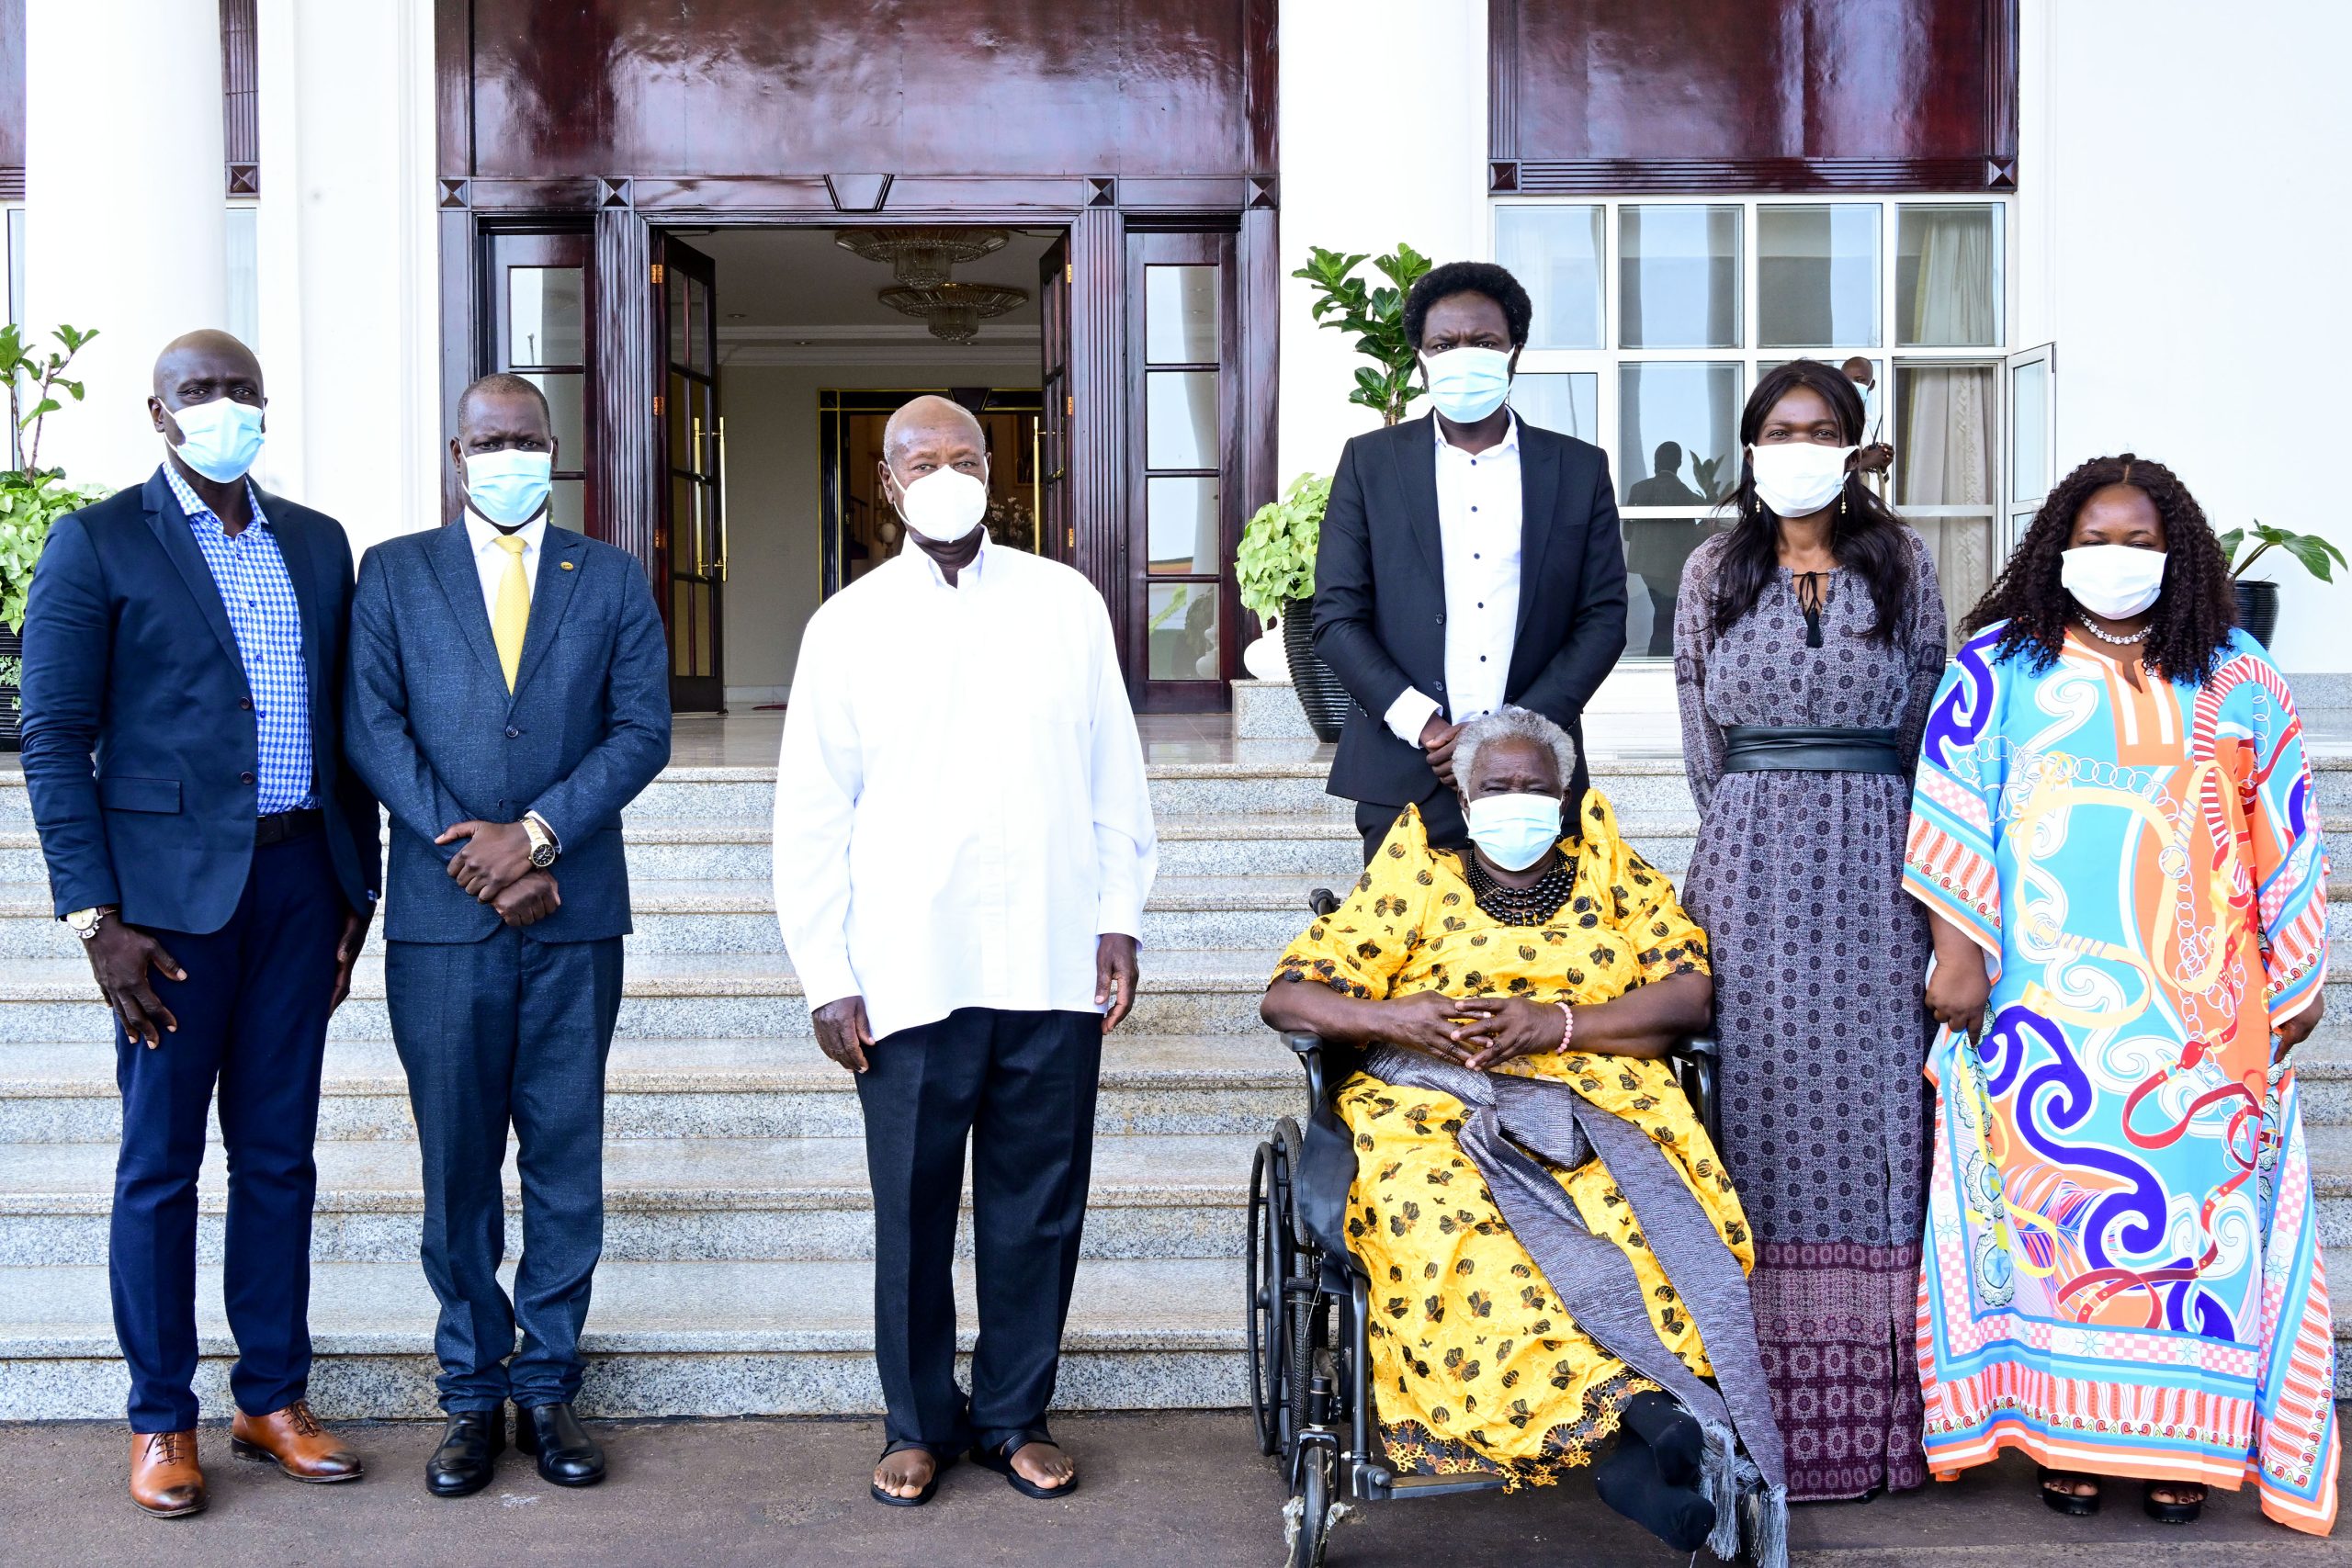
x,y
494,866
1478,1032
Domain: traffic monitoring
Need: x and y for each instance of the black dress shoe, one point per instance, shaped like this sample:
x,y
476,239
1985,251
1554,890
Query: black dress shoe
x,y
467,1456
568,1455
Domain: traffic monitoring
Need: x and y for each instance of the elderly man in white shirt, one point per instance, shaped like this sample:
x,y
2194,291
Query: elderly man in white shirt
x,y
963,847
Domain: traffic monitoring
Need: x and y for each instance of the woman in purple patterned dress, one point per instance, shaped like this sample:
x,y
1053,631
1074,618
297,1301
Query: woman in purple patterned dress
x,y
1808,640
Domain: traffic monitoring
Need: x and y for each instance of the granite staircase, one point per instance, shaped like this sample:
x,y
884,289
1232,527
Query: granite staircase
x,y
739,1235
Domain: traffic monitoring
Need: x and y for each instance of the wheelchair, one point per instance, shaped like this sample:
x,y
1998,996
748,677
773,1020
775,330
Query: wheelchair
x,y
1307,1308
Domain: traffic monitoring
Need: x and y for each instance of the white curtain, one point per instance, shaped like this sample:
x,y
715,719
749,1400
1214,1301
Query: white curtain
x,y
1945,443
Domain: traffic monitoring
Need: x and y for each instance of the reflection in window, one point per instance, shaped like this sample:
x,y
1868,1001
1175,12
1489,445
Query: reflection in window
x,y
1816,277
1556,253
1948,276
1180,314
1180,419
1181,524
1181,622
545,317
1678,280
1569,403
1677,433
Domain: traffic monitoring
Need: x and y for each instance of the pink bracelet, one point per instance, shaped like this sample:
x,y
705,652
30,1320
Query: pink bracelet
x,y
1567,1024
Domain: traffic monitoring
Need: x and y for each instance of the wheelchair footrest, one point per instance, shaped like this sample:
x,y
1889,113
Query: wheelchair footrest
x,y
1406,1486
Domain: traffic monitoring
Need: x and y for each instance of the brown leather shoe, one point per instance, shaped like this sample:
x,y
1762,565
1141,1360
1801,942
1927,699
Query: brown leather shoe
x,y
164,1478
293,1439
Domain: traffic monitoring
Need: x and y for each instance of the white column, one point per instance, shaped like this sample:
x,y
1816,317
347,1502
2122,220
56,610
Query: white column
x,y
350,297
125,197
1370,158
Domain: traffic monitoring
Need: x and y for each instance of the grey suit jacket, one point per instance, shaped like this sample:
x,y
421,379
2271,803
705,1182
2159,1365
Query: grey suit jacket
x,y
430,725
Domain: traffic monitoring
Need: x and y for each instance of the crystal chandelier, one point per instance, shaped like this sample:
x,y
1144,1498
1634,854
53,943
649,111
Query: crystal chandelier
x,y
954,311
922,258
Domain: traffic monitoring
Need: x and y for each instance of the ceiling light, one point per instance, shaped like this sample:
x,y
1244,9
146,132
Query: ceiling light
x,y
954,311
922,258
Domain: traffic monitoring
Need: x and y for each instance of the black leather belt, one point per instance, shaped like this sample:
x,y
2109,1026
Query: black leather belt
x,y
1812,749
280,826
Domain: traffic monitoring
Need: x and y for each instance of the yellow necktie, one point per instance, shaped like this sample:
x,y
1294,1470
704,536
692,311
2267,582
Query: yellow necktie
x,y
513,611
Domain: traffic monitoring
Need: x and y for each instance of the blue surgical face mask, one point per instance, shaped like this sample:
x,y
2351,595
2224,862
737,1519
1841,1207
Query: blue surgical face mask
x,y
219,439
1514,829
1468,384
509,488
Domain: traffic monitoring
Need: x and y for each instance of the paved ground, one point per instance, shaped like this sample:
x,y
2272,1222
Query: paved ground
x,y
1185,1491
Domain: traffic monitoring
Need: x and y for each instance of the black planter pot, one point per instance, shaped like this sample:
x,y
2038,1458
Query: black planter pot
x,y
2258,609
11,716
1319,693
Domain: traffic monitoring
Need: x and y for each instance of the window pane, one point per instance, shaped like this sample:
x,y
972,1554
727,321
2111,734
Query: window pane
x,y
1656,549
568,507
567,392
2028,430
1948,276
1180,315
1181,520
1944,431
243,313
1816,277
681,343
697,325
1181,620
1556,251
1569,403
1677,434
17,264
544,317
1180,419
1679,277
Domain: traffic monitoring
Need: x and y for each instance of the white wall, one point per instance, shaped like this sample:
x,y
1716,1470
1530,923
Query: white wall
x,y
2185,225
1370,157
772,531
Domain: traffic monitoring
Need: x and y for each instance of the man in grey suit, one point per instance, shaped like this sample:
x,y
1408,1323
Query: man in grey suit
x,y
509,695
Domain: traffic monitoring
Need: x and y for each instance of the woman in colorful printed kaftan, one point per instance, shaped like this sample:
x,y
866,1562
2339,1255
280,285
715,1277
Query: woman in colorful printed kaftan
x,y
2121,1272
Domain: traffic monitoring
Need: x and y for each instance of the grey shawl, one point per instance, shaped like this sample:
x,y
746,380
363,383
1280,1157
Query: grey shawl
x,y
1516,1124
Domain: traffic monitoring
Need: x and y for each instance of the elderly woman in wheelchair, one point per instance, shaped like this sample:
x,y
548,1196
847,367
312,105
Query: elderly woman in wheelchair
x,y
1549,1248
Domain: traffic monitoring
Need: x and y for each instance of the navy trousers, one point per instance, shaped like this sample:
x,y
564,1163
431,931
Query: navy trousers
x,y
1019,1086
253,1023
508,1032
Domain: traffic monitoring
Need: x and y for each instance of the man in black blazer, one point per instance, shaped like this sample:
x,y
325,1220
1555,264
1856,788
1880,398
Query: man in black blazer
x,y
183,698
1467,561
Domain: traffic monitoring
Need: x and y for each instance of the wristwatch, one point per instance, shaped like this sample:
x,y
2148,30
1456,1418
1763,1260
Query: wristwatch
x,y
84,922
544,848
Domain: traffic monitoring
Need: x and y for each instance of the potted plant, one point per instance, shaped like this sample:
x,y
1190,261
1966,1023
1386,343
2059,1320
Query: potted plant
x,y
31,497
2259,598
1276,572
1345,302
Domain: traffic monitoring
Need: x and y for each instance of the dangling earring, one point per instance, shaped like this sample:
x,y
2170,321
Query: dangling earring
x,y
1841,503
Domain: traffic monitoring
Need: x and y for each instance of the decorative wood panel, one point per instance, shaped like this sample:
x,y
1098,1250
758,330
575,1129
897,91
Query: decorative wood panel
x,y
240,97
625,436
12,100
1097,487
1695,96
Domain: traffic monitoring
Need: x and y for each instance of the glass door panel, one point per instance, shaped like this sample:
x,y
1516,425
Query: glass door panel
x,y
538,330
1946,431
693,525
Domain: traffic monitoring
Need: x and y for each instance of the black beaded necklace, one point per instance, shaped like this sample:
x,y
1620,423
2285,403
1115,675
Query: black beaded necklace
x,y
1528,906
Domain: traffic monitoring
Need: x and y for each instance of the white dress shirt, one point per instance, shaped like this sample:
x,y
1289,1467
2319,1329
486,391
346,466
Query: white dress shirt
x,y
491,561
960,805
1478,513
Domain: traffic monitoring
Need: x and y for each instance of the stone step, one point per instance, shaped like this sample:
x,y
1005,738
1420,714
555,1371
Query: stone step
x,y
1153,1195
65,1093
1207,991
663,1338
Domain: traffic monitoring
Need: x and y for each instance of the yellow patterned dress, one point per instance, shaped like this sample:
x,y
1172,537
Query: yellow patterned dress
x,y
1475,1365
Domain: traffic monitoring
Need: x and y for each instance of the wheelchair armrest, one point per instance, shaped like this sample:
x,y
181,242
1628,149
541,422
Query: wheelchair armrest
x,y
1696,1045
1304,1043
1699,1060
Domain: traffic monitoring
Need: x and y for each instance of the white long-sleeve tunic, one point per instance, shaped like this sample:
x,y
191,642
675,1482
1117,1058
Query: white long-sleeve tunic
x,y
960,804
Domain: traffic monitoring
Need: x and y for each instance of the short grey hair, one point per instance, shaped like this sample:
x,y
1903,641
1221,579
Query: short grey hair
x,y
1513,724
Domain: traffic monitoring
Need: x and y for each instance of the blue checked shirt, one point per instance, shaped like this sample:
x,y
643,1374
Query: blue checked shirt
x,y
258,593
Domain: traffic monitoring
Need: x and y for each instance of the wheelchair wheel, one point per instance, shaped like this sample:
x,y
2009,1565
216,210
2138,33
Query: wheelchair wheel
x,y
1268,1263
1311,1531
1292,1143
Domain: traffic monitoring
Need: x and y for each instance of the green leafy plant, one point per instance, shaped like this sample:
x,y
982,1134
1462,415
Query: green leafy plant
x,y
1347,303
31,497
2316,555
1276,559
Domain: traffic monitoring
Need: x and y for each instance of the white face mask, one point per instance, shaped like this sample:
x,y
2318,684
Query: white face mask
x,y
1797,478
943,506
222,438
1513,830
2112,581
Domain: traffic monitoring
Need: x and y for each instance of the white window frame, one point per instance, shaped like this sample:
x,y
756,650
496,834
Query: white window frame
x,y
1602,363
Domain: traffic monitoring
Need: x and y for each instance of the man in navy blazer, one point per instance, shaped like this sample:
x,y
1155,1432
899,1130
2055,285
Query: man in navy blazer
x,y
184,649
509,695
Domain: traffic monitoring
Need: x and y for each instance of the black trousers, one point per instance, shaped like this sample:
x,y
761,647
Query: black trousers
x,y
1440,814
508,1032
1019,1086
252,1021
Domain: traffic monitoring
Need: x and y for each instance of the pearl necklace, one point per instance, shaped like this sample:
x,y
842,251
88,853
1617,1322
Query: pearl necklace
x,y
1528,906
2140,635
